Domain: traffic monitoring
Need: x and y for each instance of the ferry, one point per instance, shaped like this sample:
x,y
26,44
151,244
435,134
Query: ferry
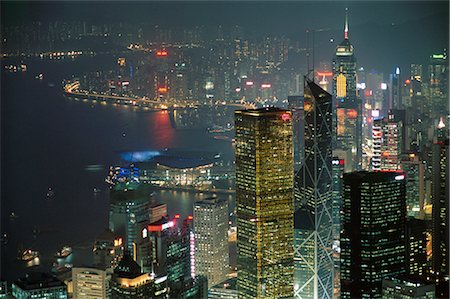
x,y
64,252
28,255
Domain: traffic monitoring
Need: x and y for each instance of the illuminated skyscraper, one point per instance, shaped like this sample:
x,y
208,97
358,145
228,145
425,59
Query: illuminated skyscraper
x,y
387,143
211,239
298,123
129,213
413,167
264,203
373,232
416,246
313,195
348,118
440,218
395,85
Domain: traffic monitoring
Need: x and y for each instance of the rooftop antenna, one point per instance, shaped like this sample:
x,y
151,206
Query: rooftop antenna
x,y
346,24
310,71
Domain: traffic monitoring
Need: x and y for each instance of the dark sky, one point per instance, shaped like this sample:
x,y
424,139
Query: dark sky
x,y
384,33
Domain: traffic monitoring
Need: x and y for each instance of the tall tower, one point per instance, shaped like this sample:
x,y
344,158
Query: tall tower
x,y
440,241
348,118
264,203
211,239
313,196
373,232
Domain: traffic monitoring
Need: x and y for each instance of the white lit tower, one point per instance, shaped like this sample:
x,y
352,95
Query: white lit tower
x,y
313,234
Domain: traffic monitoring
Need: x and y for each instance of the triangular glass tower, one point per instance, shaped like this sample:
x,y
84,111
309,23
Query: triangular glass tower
x,y
313,276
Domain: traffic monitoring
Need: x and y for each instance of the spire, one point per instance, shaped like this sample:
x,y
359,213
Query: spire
x,y
346,24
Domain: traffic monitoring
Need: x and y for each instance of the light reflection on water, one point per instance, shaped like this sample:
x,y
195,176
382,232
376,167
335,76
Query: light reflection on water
x,y
69,145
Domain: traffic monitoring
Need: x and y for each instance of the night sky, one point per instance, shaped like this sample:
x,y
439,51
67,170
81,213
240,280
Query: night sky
x,y
384,33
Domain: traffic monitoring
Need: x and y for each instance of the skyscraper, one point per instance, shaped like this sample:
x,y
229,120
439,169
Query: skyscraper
x,y
373,232
313,194
264,203
347,116
416,246
413,167
211,239
295,103
387,143
129,213
128,282
395,99
440,241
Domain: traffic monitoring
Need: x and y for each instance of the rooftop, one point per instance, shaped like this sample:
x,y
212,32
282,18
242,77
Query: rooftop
x,y
39,280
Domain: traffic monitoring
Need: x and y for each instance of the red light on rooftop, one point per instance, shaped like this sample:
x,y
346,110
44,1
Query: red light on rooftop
x,y
326,74
162,89
407,81
285,116
177,216
190,217
161,53
341,161
266,85
249,83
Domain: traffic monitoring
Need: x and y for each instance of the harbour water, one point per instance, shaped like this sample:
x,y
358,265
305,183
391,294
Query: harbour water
x,y
51,141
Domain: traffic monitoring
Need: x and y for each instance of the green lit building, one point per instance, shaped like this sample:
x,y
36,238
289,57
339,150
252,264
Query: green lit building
x,y
39,285
373,232
407,287
264,203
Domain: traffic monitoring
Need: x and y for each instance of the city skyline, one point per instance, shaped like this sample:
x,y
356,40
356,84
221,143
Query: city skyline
x,y
224,149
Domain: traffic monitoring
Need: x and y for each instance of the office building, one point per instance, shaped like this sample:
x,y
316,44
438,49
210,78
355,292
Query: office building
x,y
407,287
211,239
107,249
129,213
264,203
387,143
440,233
167,249
90,283
373,232
313,194
347,108
295,104
416,246
411,164
224,290
39,285
128,282
395,92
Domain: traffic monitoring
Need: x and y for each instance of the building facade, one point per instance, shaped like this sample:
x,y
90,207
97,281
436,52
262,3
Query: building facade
x,y
264,203
39,285
314,195
373,232
90,283
347,110
211,239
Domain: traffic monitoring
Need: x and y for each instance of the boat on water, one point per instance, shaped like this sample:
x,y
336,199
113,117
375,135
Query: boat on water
x,y
96,190
57,268
27,255
64,252
40,76
50,192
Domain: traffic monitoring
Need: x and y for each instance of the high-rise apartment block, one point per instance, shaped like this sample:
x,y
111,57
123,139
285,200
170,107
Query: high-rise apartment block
x,y
211,239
